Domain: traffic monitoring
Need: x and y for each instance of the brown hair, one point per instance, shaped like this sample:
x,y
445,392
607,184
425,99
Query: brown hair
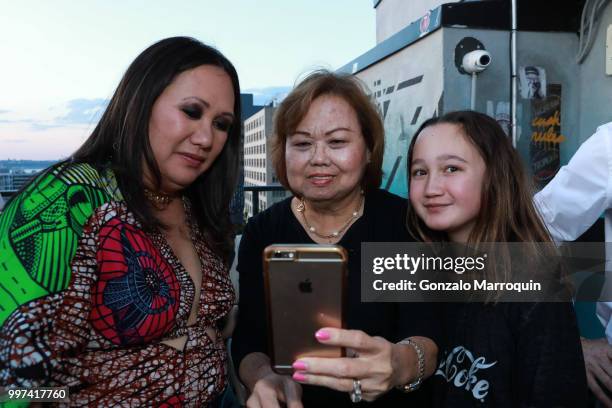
x,y
121,139
295,107
507,212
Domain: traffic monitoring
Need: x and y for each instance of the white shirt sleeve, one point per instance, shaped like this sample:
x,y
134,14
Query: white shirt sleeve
x,y
580,192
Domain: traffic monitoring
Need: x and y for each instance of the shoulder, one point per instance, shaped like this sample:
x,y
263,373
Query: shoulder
x,y
70,175
605,129
380,196
385,213
385,203
67,185
62,197
270,219
597,144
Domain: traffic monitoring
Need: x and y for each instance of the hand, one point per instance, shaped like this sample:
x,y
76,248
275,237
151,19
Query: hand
x,y
598,364
272,388
379,365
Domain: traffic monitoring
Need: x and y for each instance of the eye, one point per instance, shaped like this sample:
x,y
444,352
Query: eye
x,y
337,142
418,172
299,142
193,112
451,169
222,124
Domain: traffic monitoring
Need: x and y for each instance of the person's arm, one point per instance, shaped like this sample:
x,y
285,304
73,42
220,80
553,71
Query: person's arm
x,y
379,364
581,191
267,387
44,301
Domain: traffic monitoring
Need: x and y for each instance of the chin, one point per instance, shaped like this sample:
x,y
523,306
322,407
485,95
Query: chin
x,y
180,183
439,226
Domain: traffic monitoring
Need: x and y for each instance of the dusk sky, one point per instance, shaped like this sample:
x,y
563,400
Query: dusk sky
x,y
61,60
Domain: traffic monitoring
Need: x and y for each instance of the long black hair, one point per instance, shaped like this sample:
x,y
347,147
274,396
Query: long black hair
x,y
121,139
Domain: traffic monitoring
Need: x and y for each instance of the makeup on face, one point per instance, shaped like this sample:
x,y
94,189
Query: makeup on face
x,y
189,125
326,156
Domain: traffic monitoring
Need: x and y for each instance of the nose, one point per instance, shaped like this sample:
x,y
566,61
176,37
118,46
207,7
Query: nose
x,y
433,185
319,155
203,135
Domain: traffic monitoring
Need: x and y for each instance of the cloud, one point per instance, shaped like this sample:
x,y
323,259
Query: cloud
x,y
76,112
82,111
263,96
2,111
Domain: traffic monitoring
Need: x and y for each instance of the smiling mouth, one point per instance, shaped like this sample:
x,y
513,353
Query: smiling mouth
x,y
320,179
193,159
435,206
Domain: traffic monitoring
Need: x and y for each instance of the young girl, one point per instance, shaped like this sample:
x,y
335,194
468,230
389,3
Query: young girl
x,y
467,186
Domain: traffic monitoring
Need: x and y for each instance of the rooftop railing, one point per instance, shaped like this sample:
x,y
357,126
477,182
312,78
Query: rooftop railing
x,y
7,194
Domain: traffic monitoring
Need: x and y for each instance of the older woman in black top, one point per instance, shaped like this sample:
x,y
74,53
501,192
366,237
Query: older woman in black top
x,y
328,150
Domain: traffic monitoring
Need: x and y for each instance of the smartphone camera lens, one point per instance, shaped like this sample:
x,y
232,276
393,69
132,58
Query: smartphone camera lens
x,y
284,255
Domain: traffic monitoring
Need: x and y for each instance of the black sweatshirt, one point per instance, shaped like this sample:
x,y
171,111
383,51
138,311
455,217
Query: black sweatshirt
x,y
382,221
510,355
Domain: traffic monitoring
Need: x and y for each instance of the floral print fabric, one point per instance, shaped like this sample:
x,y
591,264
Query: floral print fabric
x,y
102,335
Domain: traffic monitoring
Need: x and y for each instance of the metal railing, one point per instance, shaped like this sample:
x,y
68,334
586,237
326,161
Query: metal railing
x,y
6,194
261,189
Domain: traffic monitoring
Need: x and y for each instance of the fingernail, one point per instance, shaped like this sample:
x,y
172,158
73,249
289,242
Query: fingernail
x,y
299,377
322,335
300,365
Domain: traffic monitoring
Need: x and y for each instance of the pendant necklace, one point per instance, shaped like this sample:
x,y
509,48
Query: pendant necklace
x,y
301,208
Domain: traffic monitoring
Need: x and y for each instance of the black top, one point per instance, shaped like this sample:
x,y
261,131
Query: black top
x,y
382,221
510,355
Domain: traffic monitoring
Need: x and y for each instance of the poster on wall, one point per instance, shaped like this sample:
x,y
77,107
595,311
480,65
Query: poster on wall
x,y
546,136
532,82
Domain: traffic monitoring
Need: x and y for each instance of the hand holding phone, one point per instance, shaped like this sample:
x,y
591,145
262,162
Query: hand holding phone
x,y
305,290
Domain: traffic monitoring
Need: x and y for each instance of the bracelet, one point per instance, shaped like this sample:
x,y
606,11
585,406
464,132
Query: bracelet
x,y
413,386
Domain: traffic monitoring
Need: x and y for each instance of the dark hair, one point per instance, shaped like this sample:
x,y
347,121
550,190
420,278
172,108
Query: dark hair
x,y
507,212
295,107
122,137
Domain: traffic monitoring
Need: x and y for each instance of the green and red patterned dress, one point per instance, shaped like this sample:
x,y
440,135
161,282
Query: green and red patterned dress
x,y
87,297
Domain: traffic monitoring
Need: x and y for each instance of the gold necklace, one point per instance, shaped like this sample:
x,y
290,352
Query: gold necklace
x,y
301,208
159,200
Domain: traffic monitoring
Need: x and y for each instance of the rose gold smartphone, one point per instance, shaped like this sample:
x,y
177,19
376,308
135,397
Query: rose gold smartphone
x,y
305,290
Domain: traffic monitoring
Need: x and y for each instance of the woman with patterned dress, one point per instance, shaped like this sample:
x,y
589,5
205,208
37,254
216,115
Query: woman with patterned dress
x,y
114,263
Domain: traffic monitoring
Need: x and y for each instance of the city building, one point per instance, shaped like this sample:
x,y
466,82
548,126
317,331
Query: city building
x,y
237,203
258,169
416,71
14,181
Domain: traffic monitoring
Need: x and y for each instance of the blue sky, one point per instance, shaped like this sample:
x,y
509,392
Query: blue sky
x,y
62,59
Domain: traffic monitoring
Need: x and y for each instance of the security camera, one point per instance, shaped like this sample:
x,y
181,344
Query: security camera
x,y
476,61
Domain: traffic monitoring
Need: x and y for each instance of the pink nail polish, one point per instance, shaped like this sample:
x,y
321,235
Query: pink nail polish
x,y
300,365
322,335
299,377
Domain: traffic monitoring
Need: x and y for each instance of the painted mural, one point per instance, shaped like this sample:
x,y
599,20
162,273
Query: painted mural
x,y
407,90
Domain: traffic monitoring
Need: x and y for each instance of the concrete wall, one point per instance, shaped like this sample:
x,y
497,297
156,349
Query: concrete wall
x,y
552,51
595,100
422,80
393,15
586,92
407,87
